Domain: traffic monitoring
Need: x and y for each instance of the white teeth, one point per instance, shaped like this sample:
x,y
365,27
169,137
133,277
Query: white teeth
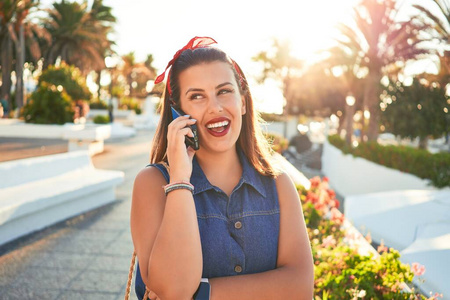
x,y
219,124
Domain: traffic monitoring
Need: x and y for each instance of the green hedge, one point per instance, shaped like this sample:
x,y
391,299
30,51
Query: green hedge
x,y
419,162
100,119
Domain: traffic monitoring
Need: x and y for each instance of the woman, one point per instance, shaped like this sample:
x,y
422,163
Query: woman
x,y
224,213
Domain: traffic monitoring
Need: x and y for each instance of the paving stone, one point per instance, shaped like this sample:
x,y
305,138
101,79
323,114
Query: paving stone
x,y
61,260
25,292
120,248
99,282
82,245
111,263
76,295
49,278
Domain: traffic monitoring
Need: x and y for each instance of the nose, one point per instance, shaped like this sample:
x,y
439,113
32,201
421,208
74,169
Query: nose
x,y
215,105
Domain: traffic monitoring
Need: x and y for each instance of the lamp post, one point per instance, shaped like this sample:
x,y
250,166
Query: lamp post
x,y
349,113
110,63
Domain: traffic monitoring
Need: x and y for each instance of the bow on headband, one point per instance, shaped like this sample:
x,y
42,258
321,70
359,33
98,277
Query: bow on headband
x,y
196,42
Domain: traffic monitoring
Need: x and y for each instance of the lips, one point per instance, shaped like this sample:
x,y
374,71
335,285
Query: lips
x,y
218,126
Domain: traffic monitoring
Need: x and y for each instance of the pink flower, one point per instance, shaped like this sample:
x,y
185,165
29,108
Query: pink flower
x,y
382,248
369,238
315,181
417,269
329,241
337,216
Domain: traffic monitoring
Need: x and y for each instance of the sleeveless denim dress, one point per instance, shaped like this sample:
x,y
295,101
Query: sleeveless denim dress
x,y
239,234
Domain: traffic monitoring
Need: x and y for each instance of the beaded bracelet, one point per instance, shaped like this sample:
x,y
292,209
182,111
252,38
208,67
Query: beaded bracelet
x,y
178,185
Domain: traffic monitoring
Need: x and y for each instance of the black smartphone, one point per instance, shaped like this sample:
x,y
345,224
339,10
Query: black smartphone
x,y
189,141
203,292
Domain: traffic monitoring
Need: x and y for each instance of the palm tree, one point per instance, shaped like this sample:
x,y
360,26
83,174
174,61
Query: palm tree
x,y
79,36
344,62
381,42
283,67
137,74
7,11
439,31
102,20
17,30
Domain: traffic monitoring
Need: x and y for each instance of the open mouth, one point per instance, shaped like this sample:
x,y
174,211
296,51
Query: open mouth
x,y
218,128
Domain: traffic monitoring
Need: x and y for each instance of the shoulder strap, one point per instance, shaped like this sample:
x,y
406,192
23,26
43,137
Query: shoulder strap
x,y
163,167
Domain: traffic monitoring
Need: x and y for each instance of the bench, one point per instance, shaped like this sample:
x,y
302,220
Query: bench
x,y
79,136
41,191
87,137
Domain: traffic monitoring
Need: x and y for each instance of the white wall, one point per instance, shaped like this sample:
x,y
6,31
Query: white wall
x,y
351,175
278,127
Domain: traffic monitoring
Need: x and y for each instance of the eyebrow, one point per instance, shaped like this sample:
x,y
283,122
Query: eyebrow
x,y
201,90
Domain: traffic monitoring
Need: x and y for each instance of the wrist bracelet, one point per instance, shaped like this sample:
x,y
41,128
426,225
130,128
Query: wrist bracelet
x,y
178,185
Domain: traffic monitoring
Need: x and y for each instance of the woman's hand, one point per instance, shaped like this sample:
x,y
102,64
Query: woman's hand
x,y
180,158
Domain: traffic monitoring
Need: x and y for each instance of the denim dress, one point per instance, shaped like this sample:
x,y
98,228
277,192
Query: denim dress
x,y
239,234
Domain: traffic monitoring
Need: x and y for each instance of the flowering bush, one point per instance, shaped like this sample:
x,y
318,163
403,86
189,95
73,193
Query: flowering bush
x,y
341,271
278,142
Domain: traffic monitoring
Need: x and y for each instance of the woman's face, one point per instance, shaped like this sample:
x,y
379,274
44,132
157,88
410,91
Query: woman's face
x,y
210,94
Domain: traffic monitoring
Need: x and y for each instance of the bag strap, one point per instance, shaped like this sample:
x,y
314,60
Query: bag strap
x,y
130,279
133,257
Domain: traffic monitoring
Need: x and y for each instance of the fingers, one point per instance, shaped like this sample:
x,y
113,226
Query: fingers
x,y
179,128
152,295
181,122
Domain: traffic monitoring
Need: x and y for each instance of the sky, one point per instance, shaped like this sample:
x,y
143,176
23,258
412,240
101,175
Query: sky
x,y
241,27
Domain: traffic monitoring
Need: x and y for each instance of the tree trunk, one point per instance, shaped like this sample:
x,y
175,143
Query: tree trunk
x,y
20,61
372,103
99,78
6,62
423,142
349,113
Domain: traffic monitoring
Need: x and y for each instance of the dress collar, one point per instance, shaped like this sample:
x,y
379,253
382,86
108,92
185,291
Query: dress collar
x,y
249,176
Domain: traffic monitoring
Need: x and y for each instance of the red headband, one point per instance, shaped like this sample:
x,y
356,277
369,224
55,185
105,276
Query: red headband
x,y
194,43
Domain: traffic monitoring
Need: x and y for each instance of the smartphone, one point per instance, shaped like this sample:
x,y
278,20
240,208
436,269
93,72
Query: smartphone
x,y
189,141
203,292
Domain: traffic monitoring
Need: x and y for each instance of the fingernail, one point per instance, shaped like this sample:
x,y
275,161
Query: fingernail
x,y
194,120
187,115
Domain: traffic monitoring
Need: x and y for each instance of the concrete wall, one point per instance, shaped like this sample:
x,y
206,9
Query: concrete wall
x,y
351,175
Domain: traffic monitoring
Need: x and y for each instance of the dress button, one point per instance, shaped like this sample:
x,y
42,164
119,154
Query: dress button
x,y
238,269
238,225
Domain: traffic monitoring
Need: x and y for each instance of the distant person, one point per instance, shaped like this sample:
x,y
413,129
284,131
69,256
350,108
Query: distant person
x,y
5,105
224,213
110,113
301,142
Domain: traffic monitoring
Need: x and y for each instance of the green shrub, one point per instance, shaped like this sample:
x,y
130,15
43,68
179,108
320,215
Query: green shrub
x,y
101,119
418,162
128,103
48,105
70,78
98,104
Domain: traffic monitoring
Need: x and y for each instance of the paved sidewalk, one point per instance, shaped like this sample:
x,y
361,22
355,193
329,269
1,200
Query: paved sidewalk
x,y
87,257
15,148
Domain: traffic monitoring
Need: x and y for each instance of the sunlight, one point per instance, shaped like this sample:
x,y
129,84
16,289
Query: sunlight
x,y
313,29
268,98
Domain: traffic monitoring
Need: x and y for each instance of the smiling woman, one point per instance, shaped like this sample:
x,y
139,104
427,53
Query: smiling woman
x,y
226,225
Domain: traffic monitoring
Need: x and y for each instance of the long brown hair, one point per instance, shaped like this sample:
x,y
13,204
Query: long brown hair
x,y
251,140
